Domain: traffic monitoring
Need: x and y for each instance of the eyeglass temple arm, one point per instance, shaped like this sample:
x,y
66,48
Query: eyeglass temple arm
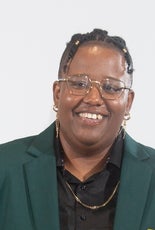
x,y
63,79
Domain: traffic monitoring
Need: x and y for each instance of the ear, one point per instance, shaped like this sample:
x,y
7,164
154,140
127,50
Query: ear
x,y
131,95
56,92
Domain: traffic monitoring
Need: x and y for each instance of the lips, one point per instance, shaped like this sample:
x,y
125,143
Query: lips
x,y
92,116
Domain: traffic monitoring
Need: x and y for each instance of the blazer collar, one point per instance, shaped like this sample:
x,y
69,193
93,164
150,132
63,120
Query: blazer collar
x,y
41,182
134,186
43,143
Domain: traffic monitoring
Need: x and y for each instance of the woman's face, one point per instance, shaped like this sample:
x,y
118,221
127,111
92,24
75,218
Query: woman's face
x,y
78,115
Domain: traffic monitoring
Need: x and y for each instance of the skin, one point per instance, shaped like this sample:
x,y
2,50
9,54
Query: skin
x,y
86,141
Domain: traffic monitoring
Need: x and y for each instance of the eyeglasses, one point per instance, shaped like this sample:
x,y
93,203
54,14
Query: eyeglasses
x,y
109,88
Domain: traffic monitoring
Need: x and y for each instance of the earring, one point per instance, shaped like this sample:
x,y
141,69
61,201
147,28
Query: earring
x,y
126,118
57,124
55,108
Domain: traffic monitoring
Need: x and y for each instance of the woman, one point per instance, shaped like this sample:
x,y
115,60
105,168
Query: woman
x,y
84,171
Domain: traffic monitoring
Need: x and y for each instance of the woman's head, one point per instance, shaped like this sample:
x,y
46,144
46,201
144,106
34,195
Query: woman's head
x,y
93,92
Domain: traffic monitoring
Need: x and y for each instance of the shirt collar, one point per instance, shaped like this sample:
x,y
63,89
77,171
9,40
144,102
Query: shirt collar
x,y
117,151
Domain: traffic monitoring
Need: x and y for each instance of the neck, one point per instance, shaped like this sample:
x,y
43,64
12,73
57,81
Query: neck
x,y
82,167
83,163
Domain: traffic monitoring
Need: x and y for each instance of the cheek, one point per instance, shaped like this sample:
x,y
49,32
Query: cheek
x,y
64,112
64,99
118,108
66,105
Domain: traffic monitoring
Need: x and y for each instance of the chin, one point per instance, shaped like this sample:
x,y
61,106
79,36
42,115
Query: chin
x,y
88,141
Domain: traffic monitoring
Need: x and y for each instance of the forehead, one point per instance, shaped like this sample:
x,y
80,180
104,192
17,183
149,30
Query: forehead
x,y
96,58
100,45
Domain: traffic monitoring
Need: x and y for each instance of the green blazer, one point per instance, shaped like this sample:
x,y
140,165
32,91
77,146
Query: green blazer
x,y
28,185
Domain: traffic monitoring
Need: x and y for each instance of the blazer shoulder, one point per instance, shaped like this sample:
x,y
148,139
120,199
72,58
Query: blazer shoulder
x,y
16,143
15,149
139,150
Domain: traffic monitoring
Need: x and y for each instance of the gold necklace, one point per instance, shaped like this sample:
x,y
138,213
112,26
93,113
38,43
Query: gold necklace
x,y
93,207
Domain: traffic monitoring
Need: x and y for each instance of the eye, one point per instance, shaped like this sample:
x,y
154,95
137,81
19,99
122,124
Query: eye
x,y
77,84
111,89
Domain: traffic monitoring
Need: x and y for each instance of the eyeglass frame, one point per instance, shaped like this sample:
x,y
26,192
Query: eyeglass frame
x,y
96,83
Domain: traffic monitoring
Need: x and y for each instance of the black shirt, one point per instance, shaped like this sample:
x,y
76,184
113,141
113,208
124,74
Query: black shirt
x,y
94,191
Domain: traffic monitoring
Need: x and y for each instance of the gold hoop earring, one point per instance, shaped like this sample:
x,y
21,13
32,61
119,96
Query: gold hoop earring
x,y
126,118
55,108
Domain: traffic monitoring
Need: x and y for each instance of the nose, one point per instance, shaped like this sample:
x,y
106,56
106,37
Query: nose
x,y
93,96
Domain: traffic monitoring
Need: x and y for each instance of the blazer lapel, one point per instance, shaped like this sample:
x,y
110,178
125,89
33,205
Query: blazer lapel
x,y
134,185
41,184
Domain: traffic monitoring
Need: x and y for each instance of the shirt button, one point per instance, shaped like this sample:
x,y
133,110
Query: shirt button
x,y
83,218
83,187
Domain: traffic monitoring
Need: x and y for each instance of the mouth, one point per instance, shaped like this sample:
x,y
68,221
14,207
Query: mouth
x,y
92,116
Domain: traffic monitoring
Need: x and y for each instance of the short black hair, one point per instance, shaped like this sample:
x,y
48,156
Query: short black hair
x,y
95,35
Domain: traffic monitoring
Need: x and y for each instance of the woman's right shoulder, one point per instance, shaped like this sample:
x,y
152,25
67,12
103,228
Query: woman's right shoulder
x,y
15,147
